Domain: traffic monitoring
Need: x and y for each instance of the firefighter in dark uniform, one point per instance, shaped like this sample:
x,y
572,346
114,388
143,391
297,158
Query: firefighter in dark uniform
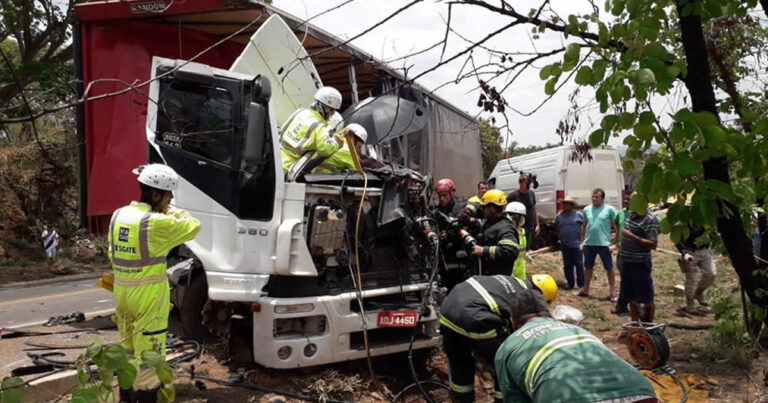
x,y
474,319
497,246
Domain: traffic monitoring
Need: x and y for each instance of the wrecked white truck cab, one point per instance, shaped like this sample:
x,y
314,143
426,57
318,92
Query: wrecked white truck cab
x,y
281,268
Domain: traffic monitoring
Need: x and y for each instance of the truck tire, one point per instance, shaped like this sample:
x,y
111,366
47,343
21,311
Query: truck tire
x,y
191,312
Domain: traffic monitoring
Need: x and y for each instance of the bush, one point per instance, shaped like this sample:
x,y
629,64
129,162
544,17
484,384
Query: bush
x,y
729,341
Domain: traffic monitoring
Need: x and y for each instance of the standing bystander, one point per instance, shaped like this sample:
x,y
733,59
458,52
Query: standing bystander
x,y
50,241
695,257
595,237
568,223
525,195
639,237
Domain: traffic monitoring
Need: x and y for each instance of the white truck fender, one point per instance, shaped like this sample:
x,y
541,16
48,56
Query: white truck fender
x,y
292,256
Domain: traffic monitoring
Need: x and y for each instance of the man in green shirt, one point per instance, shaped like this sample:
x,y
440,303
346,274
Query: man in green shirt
x,y
545,360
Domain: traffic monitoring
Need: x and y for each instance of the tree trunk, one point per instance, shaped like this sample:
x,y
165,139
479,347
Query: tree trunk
x,y
699,85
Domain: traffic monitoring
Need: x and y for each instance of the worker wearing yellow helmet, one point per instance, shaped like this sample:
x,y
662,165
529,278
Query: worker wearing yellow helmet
x,y
475,321
497,246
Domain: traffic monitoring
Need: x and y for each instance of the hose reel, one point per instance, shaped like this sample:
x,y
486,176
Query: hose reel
x,y
647,344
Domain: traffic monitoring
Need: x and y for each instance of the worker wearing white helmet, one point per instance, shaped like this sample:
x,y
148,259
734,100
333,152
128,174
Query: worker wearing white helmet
x,y
306,130
342,159
516,212
140,236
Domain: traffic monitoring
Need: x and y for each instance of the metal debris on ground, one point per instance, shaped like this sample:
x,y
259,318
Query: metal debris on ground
x,y
74,317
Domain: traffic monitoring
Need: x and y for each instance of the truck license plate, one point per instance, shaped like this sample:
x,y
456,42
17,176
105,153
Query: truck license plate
x,y
397,318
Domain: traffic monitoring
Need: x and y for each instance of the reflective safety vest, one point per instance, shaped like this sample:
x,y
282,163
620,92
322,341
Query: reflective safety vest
x,y
139,241
519,268
305,130
480,307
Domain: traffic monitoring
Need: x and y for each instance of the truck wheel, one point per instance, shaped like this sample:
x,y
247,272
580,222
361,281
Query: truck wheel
x,y
195,297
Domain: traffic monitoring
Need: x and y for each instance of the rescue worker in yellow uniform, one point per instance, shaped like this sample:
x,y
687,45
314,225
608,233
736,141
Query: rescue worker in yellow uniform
x,y
140,236
342,160
497,247
516,212
306,130
474,322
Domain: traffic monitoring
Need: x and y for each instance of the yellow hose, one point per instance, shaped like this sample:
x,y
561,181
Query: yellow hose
x,y
360,290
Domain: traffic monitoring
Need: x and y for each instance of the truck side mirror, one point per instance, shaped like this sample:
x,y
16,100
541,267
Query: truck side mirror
x,y
253,148
262,89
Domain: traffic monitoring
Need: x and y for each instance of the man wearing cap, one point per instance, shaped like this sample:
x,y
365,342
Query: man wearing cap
x,y
498,246
568,223
140,236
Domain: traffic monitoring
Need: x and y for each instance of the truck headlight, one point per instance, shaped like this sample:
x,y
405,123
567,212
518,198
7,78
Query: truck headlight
x,y
299,308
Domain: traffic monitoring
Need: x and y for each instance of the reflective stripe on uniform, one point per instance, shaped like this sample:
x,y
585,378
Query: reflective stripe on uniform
x,y
140,282
307,136
472,335
503,278
111,227
549,348
492,252
487,297
498,395
462,388
144,260
508,242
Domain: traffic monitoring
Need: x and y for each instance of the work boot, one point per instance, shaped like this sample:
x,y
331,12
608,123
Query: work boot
x,y
620,310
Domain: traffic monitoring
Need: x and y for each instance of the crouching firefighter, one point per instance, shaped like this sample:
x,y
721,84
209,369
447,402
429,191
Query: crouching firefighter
x,y
474,321
497,247
140,236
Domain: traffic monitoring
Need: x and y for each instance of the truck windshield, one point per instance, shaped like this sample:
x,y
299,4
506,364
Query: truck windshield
x,y
196,118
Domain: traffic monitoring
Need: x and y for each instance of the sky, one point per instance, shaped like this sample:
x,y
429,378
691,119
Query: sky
x,y
423,25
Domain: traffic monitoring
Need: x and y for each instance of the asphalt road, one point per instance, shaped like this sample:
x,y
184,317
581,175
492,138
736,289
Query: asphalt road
x,y
30,305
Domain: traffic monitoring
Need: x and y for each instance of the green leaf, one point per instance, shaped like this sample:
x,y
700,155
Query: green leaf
x,y
626,120
665,226
645,77
166,394
82,377
596,138
549,87
647,118
126,375
13,390
638,204
571,56
685,165
714,135
657,51
644,132
704,119
152,358
165,374
673,213
546,71
107,376
584,75
115,356
609,122
85,396
683,115
94,349
671,182
676,234
598,70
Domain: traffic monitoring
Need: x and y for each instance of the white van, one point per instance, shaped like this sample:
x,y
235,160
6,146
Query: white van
x,y
558,177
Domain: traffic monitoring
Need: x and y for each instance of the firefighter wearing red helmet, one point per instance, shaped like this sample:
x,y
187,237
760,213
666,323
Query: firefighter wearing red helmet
x,y
446,196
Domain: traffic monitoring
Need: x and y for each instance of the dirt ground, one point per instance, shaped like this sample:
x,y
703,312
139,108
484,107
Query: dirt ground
x,y
709,380
716,381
